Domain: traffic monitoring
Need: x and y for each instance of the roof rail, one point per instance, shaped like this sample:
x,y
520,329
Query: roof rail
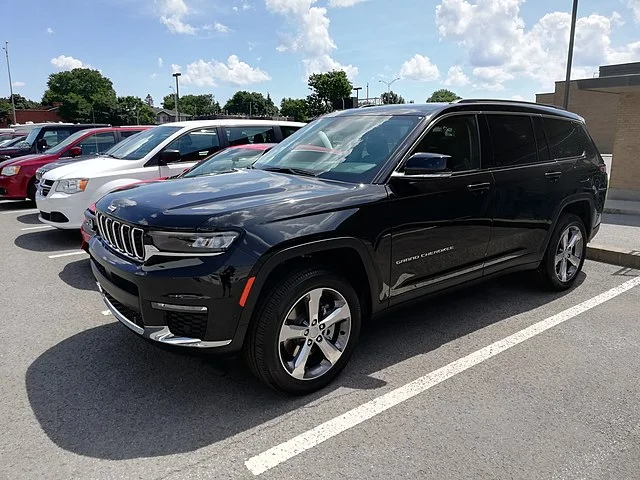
x,y
493,100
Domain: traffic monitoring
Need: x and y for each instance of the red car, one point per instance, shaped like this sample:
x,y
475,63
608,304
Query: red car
x,y
238,156
18,175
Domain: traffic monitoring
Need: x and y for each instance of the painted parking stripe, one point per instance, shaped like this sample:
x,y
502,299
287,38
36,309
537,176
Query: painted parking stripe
x,y
309,439
106,313
68,254
39,227
33,210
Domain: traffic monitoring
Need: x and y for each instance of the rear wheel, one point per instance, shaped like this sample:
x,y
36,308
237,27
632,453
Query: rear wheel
x,y
305,332
565,253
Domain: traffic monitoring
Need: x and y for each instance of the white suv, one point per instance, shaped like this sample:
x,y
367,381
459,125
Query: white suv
x,y
163,151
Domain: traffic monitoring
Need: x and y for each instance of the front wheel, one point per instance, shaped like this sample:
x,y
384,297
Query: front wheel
x,y
565,253
305,331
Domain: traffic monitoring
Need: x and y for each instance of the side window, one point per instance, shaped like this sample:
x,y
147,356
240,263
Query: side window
x,y
514,142
244,135
196,145
543,148
566,138
456,136
97,143
288,130
54,137
127,133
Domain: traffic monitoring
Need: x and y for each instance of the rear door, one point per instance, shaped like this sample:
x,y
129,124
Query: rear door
x,y
243,135
525,190
193,147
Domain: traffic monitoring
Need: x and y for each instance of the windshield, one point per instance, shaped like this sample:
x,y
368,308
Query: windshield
x,y
224,161
137,146
33,134
345,148
67,141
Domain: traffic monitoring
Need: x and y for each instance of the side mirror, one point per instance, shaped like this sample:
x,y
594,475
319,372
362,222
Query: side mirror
x,y
169,156
75,151
42,144
426,163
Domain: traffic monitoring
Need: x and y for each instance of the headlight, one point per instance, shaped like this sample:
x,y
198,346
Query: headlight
x,y
9,171
193,242
74,185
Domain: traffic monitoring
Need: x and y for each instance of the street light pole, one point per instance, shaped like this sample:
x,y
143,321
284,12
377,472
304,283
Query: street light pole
x,y
388,84
572,37
176,75
13,102
357,89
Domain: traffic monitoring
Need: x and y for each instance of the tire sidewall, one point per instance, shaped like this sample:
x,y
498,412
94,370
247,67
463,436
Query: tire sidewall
x,y
565,222
271,348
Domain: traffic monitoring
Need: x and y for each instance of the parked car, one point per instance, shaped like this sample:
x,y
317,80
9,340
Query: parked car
x,y
240,156
9,142
44,137
360,211
18,176
163,151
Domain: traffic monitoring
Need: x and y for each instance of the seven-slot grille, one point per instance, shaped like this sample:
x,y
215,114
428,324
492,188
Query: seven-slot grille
x,y
121,237
45,187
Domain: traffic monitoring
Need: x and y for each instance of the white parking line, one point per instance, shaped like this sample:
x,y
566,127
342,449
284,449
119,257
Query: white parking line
x,y
106,313
309,439
39,227
33,210
68,254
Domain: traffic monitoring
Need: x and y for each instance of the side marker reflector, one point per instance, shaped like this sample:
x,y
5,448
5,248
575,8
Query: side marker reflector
x,y
245,292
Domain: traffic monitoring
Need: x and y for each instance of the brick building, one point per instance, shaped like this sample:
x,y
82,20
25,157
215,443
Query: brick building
x,y
610,104
35,115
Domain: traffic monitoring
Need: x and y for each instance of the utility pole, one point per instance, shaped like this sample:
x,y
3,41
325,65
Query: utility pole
x,y
572,37
176,75
13,102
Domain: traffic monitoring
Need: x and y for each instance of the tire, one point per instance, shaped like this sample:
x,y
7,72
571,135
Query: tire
x,y
284,309
31,190
550,271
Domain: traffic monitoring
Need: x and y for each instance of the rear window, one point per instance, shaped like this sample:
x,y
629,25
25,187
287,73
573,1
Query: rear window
x,y
513,139
567,139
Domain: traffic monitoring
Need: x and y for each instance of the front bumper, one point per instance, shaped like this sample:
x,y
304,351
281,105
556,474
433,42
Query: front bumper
x,y
12,187
62,210
190,302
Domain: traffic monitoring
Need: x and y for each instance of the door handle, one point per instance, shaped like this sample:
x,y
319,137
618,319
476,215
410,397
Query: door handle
x,y
478,187
553,175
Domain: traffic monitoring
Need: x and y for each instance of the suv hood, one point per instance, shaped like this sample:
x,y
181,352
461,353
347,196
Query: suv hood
x,y
67,161
88,167
234,199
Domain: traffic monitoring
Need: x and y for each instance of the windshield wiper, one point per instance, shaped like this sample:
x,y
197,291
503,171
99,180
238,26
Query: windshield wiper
x,y
293,170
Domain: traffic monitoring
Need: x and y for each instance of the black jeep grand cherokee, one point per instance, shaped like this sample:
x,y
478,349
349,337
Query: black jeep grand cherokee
x,y
359,211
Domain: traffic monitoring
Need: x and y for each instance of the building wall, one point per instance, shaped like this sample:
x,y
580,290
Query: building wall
x,y
625,169
37,116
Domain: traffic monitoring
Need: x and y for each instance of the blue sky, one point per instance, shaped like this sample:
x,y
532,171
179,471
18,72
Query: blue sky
x,y
478,48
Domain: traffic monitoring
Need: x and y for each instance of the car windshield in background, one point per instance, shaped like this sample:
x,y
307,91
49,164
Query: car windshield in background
x,y
66,142
137,146
349,148
33,134
225,161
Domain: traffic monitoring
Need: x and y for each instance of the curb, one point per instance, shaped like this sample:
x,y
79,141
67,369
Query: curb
x,y
620,211
614,256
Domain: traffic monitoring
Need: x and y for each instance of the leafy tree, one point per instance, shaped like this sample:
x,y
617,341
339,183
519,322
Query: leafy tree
x,y
443,95
149,100
199,105
327,88
86,95
132,111
392,98
22,102
294,107
169,102
5,111
250,103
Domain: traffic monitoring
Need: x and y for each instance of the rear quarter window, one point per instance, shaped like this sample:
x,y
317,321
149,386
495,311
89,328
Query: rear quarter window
x,y
567,139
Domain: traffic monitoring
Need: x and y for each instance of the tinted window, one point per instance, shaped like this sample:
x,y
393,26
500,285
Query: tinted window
x,y
244,135
196,145
543,148
54,137
513,140
97,143
566,139
288,130
128,133
457,137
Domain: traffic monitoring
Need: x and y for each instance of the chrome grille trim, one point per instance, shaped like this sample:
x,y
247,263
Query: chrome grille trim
x,y
122,238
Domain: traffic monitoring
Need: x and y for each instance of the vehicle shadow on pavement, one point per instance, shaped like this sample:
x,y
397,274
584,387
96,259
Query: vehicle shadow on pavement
x,y
49,240
17,205
78,275
30,219
105,393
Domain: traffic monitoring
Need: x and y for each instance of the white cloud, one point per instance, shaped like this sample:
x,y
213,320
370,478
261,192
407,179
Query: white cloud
x,y
50,30
218,27
64,62
419,68
160,62
153,76
19,84
344,3
634,5
172,13
456,77
509,50
202,73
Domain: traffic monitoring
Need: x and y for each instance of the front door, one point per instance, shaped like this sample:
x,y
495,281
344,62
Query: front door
x,y
441,222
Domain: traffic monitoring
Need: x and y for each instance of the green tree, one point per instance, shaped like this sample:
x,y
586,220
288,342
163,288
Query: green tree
x,y
392,98
195,105
22,102
327,88
169,102
294,107
443,95
132,111
149,100
250,103
5,111
86,95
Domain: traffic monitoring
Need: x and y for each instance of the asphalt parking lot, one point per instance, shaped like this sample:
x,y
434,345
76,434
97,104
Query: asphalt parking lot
x,y
500,380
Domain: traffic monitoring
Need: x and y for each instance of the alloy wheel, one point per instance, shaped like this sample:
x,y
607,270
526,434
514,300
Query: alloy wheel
x,y
569,253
